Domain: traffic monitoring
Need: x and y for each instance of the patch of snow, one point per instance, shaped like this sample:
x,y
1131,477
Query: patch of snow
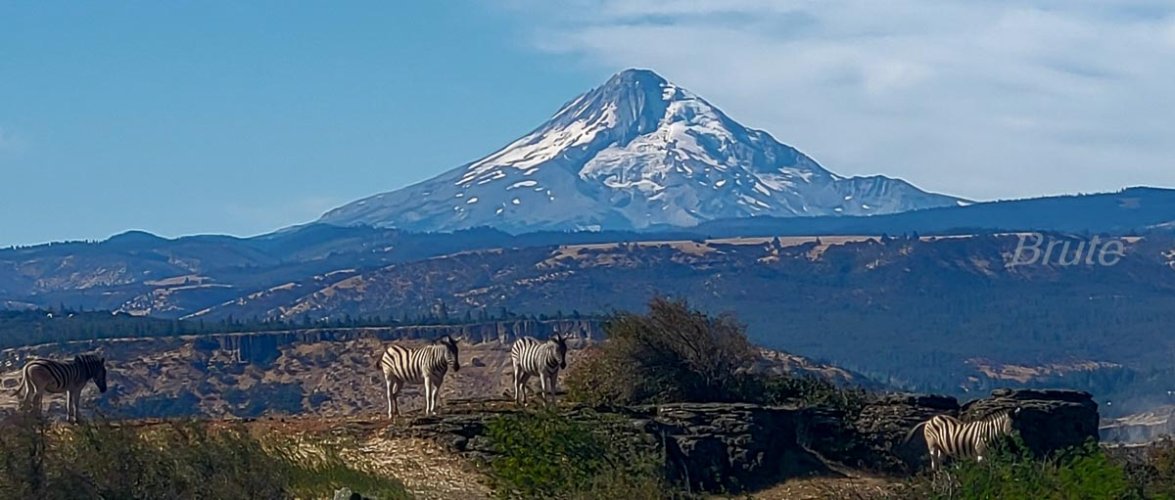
x,y
668,90
777,182
806,175
519,184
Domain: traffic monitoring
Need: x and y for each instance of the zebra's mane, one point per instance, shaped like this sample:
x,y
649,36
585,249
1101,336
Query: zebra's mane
x,y
90,363
996,415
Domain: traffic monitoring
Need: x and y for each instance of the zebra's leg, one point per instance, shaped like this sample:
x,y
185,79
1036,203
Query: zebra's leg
x,y
388,387
38,405
521,390
396,397
543,386
76,397
69,406
517,386
430,396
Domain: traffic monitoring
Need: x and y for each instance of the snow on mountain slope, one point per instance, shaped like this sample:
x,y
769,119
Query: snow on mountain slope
x,y
634,152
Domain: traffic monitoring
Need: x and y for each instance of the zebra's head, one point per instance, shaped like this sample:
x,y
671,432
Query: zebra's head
x,y
450,352
560,349
95,369
1006,419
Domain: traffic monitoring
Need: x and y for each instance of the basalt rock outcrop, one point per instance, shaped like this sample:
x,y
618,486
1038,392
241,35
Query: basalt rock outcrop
x,y
732,447
879,432
1048,421
707,446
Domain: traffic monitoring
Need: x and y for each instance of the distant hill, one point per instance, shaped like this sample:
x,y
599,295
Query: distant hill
x,y
944,314
1134,210
144,274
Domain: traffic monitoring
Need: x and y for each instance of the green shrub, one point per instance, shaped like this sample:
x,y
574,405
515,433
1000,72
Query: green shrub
x,y
1082,473
1154,469
176,460
673,353
677,354
547,455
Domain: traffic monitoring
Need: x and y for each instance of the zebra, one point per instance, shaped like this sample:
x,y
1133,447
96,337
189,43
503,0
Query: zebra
x,y
40,376
427,365
531,357
947,436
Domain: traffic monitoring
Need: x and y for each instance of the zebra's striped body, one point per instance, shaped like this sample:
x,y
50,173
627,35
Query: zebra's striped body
x,y
40,376
949,437
532,357
427,365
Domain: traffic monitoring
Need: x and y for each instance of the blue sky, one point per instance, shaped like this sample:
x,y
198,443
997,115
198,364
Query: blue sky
x,y
243,117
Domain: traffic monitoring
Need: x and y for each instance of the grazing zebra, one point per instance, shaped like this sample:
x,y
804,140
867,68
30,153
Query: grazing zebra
x,y
532,357
426,365
40,376
947,436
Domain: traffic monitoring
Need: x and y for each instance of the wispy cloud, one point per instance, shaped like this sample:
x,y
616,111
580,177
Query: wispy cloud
x,y
8,142
980,99
255,218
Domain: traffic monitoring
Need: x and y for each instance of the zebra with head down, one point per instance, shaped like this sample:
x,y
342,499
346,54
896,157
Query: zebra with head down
x,y
40,376
949,437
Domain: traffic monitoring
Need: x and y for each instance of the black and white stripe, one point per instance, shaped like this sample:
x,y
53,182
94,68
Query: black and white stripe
x,y
949,437
428,365
532,357
40,376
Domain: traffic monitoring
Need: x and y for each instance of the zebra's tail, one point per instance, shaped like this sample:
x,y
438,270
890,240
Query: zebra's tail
x,y
910,435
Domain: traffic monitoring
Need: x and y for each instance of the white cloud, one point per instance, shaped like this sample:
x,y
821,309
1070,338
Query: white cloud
x,y
981,99
7,141
256,217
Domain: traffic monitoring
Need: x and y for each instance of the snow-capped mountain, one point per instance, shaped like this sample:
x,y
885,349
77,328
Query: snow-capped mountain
x,y
635,152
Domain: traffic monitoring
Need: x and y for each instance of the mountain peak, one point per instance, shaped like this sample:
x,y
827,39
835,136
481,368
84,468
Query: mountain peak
x,y
635,152
636,76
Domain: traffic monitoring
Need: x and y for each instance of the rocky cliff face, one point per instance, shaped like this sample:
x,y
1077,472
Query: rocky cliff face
x,y
734,447
1048,420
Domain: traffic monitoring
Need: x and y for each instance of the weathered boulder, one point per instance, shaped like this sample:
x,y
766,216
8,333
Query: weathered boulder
x,y
882,426
1049,420
715,447
734,447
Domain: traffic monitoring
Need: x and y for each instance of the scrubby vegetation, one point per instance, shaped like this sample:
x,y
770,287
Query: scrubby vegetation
x,y
176,460
678,354
548,455
1084,472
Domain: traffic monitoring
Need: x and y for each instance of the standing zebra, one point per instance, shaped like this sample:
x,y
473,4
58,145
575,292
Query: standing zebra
x,y
428,365
45,375
532,357
947,436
